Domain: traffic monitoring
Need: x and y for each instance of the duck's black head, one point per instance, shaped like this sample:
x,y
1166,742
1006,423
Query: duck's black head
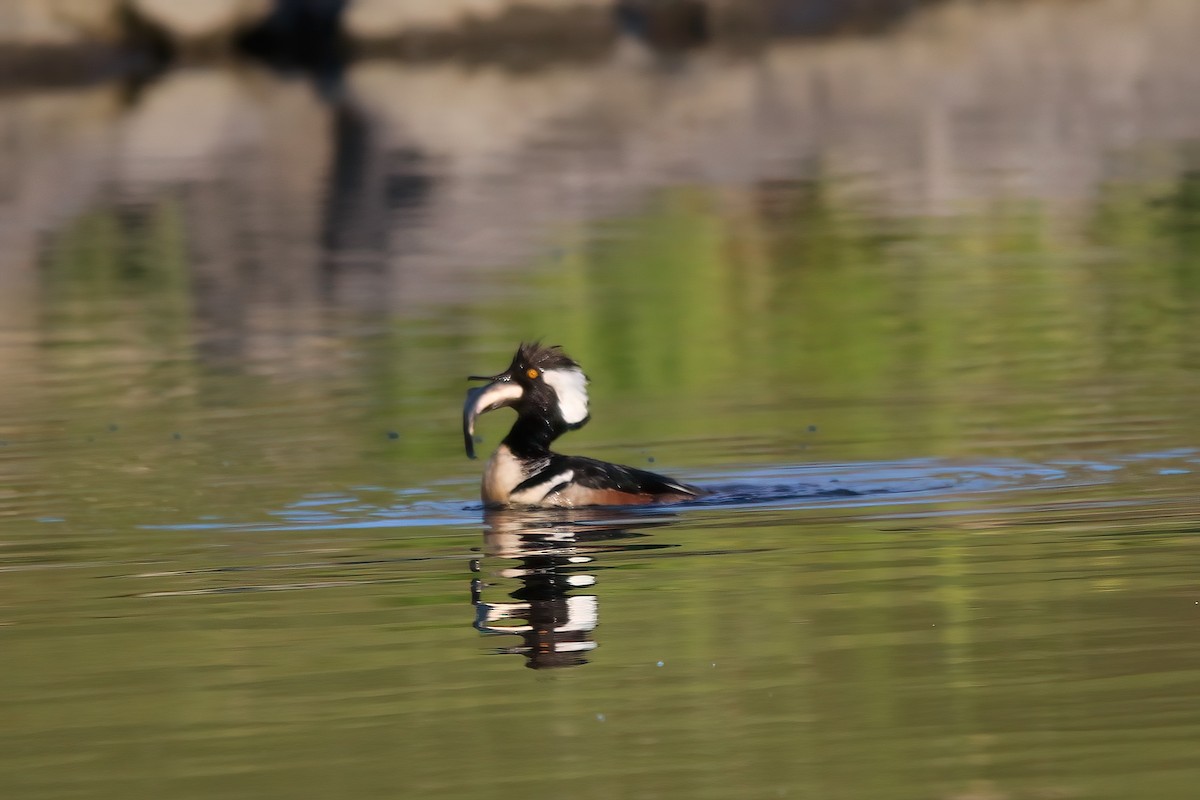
x,y
545,386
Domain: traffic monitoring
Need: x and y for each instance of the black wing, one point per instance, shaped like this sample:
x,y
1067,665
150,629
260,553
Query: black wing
x,y
602,475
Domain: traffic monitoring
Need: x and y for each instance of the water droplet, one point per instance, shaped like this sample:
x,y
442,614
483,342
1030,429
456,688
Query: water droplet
x,y
600,718
660,663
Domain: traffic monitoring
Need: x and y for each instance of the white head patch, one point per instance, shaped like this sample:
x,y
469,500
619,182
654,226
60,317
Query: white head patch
x,y
571,387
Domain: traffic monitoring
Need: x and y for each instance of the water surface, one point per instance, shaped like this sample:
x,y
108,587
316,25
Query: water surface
x,y
940,372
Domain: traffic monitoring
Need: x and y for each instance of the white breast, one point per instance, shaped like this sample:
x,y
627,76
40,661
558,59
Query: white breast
x,y
503,473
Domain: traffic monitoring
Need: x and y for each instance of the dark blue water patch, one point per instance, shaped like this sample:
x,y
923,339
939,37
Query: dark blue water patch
x,y
1094,466
867,483
1176,453
784,486
323,512
322,499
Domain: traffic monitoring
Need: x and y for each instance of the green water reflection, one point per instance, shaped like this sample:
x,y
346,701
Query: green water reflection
x,y
759,312
956,453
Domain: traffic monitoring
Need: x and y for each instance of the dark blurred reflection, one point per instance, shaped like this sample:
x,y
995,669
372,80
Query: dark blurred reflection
x,y
550,556
371,188
670,24
300,35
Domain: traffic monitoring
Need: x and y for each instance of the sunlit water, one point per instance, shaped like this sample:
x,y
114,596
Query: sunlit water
x,y
947,413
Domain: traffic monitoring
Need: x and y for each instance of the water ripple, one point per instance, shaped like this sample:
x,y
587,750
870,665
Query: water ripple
x,y
786,486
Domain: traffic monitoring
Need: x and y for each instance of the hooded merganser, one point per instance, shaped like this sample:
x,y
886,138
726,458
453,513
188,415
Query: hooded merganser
x,y
549,392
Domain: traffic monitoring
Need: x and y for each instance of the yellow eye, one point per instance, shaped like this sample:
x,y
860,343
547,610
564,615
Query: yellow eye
x,y
531,372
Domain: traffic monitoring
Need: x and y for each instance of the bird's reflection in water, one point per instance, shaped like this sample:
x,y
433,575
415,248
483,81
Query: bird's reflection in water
x,y
555,555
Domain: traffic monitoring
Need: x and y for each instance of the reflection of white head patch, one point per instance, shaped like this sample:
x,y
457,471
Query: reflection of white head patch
x,y
571,387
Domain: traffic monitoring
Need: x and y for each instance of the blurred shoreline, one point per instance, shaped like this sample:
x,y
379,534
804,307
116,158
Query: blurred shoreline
x,y
46,43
